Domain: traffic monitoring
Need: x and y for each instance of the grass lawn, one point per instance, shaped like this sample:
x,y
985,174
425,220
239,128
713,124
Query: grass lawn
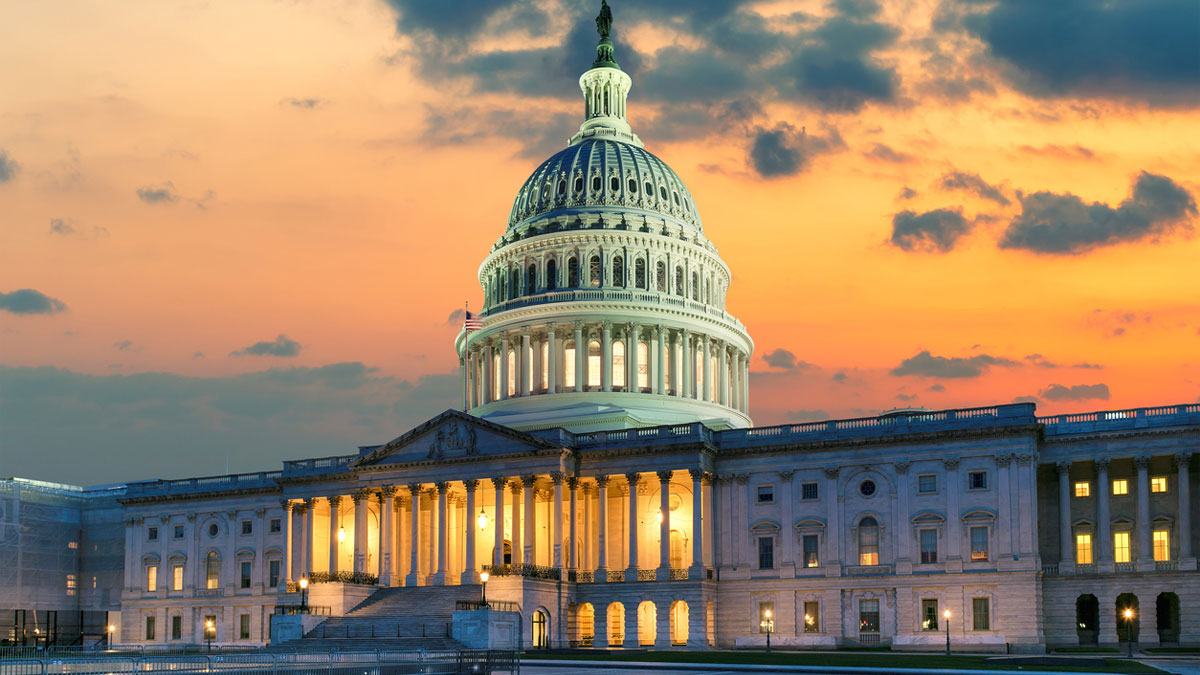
x,y
883,660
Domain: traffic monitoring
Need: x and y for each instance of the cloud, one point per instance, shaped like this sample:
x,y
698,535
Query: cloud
x,y
925,364
127,346
29,301
1116,323
937,387
840,377
782,151
1041,362
69,228
1076,152
1062,224
8,167
934,231
973,183
158,195
1027,399
197,355
885,153
1137,51
906,398
784,359
907,193
282,346
304,103
1078,392
815,415
456,317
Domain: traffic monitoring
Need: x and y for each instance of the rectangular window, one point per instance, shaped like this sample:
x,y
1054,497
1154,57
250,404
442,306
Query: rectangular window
x,y
177,577
1158,483
212,572
868,616
1083,489
928,546
811,557
929,614
247,527
979,543
179,532
766,494
1083,549
1121,547
977,480
981,613
152,533
149,628
244,627
1120,486
177,627
152,578
245,575
274,572
927,483
210,620
1162,545
809,492
276,525
766,616
766,553
568,366
812,616
72,584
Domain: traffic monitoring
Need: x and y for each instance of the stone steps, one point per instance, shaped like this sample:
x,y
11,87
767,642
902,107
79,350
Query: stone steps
x,y
423,612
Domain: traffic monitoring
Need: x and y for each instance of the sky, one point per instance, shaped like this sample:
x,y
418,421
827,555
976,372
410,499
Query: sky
x,y
234,232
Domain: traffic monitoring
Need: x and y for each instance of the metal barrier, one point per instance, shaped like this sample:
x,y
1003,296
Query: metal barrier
x,y
377,662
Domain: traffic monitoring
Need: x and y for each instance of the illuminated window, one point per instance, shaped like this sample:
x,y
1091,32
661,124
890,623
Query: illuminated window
x,y
868,541
1083,489
811,558
929,614
868,616
1158,483
766,617
1083,549
618,363
1162,545
812,616
177,577
152,578
72,584
212,571
979,543
1120,486
1121,547
569,364
72,544
643,366
545,365
593,364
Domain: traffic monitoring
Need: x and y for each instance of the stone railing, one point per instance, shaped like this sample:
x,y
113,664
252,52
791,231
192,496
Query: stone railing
x,y
678,574
209,592
1050,569
615,576
1132,418
344,577
524,570
236,481
1085,568
640,296
1166,566
584,576
867,570
647,575
1126,567
336,464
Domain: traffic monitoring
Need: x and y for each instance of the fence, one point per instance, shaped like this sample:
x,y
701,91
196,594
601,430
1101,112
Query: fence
x,y
378,662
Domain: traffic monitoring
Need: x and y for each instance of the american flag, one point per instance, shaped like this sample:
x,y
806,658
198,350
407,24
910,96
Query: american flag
x,y
471,322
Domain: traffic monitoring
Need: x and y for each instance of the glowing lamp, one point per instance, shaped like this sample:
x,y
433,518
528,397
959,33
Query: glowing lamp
x,y
303,582
341,534
482,520
946,614
660,516
483,576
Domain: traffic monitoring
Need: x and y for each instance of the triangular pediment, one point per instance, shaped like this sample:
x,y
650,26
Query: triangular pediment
x,y
454,436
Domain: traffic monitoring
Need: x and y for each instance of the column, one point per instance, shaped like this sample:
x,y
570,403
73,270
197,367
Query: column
x,y
706,384
631,570
606,356
585,556
688,377
833,538
708,523
310,529
953,516
530,551
746,389
787,535
387,496
335,502
602,530
664,527
498,485
289,559
488,376
360,530
518,552
503,367
1183,461
439,542
580,356
1004,527
1066,546
470,574
1103,518
1145,556
632,338
551,364
723,383
400,547
414,577
696,571
526,352
572,548
556,524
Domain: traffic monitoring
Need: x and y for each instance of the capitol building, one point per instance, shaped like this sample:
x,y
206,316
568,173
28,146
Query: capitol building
x,y
605,474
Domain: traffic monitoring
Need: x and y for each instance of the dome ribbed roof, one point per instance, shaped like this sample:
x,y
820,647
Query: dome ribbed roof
x,y
620,177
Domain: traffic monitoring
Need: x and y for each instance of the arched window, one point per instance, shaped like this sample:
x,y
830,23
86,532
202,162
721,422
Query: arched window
x,y
618,272
698,364
639,273
614,184
714,376
496,376
696,286
562,188
514,279
572,272
212,570
531,280
593,364
579,183
569,364
541,633
643,366
679,281
649,189
551,275
618,364
545,365
868,541
632,186
596,183
660,277
512,373
595,272
662,192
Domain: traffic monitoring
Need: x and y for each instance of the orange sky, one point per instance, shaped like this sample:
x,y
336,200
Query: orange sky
x,y
313,195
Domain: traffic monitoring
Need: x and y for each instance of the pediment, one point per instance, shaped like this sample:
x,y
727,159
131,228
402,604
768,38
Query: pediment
x,y
453,436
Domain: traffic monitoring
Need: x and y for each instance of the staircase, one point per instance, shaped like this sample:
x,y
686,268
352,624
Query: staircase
x,y
394,618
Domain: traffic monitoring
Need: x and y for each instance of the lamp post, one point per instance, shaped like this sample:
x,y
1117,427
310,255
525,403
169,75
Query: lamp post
x,y
210,629
483,577
108,633
768,626
1129,629
304,595
946,614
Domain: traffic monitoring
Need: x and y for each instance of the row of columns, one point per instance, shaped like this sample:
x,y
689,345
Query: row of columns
x,y
1144,527
671,364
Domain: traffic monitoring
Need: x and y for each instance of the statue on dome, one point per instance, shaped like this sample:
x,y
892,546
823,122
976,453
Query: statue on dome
x,y
604,20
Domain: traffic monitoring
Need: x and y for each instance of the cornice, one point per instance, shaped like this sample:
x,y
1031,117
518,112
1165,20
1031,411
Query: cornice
x,y
566,311
896,439
209,494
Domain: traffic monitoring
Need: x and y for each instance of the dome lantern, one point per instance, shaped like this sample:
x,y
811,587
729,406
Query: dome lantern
x,y
605,89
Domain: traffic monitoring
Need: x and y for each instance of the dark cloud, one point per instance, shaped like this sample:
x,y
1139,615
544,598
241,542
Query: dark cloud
x,y
885,153
304,103
783,359
29,301
906,398
907,193
69,228
1041,362
456,317
127,346
927,365
973,183
840,377
8,167
782,151
197,355
934,231
1078,392
282,346
158,195
1064,224
937,387
1143,51
1027,399
815,415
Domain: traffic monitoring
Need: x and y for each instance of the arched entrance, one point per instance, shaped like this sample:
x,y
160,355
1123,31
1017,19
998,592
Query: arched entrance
x,y
507,560
585,624
1087,619
616,624
1167,608
647,624
679,622
541,631
1127,629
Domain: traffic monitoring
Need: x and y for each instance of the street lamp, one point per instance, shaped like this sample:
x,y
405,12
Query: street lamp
x,y
210,629
946,614
1129,629
768,625
303,595
108,633
483,576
